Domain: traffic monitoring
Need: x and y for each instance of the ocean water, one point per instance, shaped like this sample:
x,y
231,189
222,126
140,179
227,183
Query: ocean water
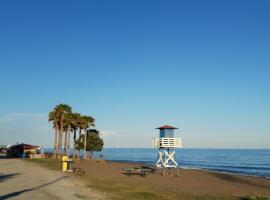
x,y
254,162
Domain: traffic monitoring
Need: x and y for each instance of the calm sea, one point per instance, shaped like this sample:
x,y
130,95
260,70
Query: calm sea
x,y
239,161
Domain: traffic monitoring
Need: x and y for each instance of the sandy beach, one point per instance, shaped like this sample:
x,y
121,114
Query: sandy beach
x,y
195,182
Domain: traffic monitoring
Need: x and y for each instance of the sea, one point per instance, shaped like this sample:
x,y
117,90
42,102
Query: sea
x,y
249,162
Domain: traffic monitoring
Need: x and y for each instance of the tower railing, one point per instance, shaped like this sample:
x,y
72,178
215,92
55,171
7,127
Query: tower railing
x,y
167,142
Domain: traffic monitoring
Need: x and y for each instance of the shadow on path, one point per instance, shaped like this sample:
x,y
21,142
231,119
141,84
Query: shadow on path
x,y
3,177
13,194
4,156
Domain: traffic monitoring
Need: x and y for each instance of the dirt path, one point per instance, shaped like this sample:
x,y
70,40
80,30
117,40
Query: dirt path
x,y
24,180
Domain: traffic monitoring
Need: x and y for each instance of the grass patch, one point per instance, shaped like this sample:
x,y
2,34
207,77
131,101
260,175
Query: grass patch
x,y
188,196
121,191
256,198
137,195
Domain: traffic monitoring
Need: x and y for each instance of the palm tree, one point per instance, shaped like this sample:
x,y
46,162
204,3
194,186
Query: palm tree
x,y
65,139
86,121
80,127
61,110
65,121
71,120
54,120
75,126
74,129
67,129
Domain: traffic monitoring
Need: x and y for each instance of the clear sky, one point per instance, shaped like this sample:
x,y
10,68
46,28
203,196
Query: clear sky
x,y
202,66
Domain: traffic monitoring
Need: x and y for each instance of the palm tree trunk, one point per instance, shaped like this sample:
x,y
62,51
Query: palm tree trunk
x,y
68,140
61,137
90,155
65,143
59,145
55,143
84,147
79,154
74,145
79,151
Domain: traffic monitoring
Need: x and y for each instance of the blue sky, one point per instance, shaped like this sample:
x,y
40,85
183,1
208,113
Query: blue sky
x,y
202,66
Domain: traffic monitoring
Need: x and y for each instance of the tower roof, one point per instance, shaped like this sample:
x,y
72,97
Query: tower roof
x,y
166,127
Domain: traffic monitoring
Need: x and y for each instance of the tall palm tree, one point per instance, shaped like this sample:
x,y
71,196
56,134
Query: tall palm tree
x,y
64,120
76,125
67,129
87,121
61,111
54,120
71,120
65,139
80,124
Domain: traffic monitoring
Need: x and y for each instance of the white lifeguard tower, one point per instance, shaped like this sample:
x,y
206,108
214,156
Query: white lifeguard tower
x,y
166,144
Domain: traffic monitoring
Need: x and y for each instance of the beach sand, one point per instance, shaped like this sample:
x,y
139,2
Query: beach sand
x,y
194,182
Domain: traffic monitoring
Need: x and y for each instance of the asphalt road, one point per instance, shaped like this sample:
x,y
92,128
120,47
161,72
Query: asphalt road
x,y
24,180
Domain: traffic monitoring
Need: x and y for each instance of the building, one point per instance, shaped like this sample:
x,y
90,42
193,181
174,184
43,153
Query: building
x,y
22,150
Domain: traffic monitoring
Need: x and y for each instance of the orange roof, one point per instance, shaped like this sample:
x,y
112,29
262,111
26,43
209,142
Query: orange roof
x,y
166,127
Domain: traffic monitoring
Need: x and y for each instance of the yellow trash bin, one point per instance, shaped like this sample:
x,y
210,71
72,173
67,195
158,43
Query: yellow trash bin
x,y
64,163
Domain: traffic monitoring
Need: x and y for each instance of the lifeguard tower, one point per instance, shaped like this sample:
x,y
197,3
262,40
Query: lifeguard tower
x,y
166,144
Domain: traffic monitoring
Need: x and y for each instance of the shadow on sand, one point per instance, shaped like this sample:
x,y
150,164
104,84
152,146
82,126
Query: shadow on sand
x,y
4,177
14,194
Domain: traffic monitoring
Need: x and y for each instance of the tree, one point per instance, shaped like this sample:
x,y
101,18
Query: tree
x,y
67,128
71,122
93,143
61,110
79,143
86,122
64,121
54,120
80,127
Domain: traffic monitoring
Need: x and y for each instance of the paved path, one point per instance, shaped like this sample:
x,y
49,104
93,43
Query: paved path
x,y
23,180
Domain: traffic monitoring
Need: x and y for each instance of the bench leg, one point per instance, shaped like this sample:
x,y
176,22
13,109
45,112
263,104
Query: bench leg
x,y
129,173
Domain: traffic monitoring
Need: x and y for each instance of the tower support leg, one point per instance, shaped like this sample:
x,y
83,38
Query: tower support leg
x,y
166,159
